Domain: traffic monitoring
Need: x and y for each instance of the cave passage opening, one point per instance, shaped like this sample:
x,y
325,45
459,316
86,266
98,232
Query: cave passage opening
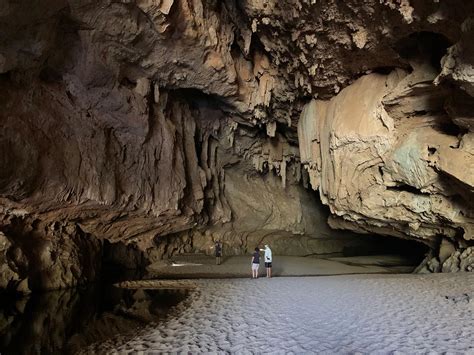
x,y
424,45
372,248
397,255
391,251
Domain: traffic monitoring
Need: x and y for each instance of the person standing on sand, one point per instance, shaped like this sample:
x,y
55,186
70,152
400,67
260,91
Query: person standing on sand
x,y
255,263
268,260
218,252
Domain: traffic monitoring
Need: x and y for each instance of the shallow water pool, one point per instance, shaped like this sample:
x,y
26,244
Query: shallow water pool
x,y
66,321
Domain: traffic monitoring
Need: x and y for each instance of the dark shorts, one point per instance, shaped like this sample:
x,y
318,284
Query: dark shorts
x,y
268,264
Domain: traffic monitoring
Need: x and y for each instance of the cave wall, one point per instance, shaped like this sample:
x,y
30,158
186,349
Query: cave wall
x,y
388,155
268,203
167,124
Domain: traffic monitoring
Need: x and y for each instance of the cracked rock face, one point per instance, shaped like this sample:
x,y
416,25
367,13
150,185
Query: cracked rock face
x,y
168,124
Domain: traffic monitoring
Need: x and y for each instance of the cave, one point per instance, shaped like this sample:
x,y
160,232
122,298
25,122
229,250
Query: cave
x,y
431,45
411,251
153,148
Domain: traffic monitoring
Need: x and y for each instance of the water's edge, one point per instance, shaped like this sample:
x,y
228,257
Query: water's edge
x,y
66,321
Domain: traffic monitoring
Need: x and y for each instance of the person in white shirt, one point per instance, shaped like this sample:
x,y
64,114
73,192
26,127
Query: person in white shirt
x,y
268,260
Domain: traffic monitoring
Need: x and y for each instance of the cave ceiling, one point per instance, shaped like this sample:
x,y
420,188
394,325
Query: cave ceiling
x,y
124,116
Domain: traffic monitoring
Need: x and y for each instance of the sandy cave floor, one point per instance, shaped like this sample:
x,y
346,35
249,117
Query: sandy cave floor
x,y
379,314
202,266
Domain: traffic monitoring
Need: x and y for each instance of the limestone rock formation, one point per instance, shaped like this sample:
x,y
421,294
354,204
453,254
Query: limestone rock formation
x,y
8,275
166,124
386,156
43,255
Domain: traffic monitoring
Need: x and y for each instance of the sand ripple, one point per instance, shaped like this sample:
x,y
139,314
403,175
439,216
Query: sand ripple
x,y
379,314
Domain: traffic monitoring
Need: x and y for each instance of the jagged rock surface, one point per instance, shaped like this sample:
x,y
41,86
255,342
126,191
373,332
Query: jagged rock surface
x,y
158,123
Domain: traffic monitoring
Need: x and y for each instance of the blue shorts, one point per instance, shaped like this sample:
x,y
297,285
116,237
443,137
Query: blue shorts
x,y
268,264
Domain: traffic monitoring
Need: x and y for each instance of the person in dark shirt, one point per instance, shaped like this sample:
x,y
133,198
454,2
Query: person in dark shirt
x,y
255,263
218,252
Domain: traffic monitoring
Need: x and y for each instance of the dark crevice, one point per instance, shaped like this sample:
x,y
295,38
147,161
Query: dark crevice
x,y
199,99
381,171
290,134
431,150
126,82
384,70
256,46
423,45
406,188
449,128
421,113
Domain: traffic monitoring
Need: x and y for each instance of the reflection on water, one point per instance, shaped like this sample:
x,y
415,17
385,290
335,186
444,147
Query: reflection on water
x,y
65,321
